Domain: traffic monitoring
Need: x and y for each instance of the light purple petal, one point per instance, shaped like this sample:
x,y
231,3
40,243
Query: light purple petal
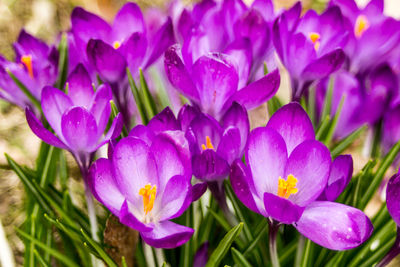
x,y
293,124
100,106
163,121
127,217
229,146
129,19
79,130
393,197
143,133
339,177
134,50
41,132
309,163
80,89
113,132
209,166
334,225
104,187
324,66
86,25
240,52
167,235
281,209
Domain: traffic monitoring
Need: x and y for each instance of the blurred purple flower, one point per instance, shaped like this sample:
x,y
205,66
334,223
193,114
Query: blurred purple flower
x,y
287,170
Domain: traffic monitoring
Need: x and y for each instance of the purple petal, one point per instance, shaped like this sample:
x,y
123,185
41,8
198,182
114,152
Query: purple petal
x,y
198,190
293,124
29,45
86,25
100,106
79,130
167,235
209,166
106,60
41,132
324,66
163,121
134,168
54,104
201,257
80,89
375,6
127,217
240,52
259,91
310,163
104,187
113,132
128,20
339,177
229,146
266,156
134,50
265,7
334,225
178,74
393,197
281,209
185,116
143,133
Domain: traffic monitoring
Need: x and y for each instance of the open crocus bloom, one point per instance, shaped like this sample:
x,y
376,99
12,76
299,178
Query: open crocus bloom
x,y
287,170
212,82
144,192
79,119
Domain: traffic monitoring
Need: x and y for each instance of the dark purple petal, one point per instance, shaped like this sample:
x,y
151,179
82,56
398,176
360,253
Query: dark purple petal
x,y
281,209
167,235
79,130
324,66
198,190
80,89
339,177
334,225
242,185
106,60
100,106
163,121
41,132
129,19
266,156
309,163
29,45
54,104
201,257
178,75
209,166
259,91
134,50
86,25
393,198
185,116
204,127
104,187
299,53
293,124
229,146
127,217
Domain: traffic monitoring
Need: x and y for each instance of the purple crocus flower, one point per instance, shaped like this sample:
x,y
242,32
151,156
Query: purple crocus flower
x,y
78,119
286,171
309,47
36,65
146,193
212,83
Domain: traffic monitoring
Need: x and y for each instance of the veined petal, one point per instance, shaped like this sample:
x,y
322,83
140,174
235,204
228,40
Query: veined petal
x,y
128,218
229,146
339,177
209,166
80,89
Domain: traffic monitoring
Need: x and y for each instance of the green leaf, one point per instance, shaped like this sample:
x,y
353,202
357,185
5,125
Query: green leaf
x,y
335,120
40,259
123,261
265,68
137,97
365,172
62,62
239,259
187,249
311,105
148,99
257,238
307,255
224,246
320,133
326,110
347,141
25,90
273,105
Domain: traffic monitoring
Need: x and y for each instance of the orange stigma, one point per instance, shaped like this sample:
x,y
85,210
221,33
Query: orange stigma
x,y
149,196
208,144
287,187
361,26
27,61
116,44
315,37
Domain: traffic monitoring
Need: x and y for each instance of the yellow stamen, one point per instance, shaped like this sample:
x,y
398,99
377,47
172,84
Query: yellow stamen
x,y
287,187
361,25
208,144
116,44
149,196
27,61
315,37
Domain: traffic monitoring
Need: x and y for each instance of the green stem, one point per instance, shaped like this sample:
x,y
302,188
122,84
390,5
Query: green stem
x,y
273,231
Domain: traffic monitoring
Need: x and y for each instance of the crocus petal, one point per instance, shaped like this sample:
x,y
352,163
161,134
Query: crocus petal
x,y
293,124
100,106
54,104
309,163
229,146
266,156
163,121
178,75
201,257
198,190
128,218
41,132
375,6
334,225
107,61
393,197
113,132
134,50
104,187
134,168
281,209
129,19
339,177
324,66
167,235
86,25
28,44
209,166
241,53
143,133
79,130
185,116
259,91
80,88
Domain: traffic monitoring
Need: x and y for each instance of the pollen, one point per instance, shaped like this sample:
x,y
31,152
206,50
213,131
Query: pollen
x,y
148,193
27,61
116,44
361,26
315,37
208,144
287,187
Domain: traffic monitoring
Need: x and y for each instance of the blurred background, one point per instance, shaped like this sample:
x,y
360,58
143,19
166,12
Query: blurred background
x,y
45,19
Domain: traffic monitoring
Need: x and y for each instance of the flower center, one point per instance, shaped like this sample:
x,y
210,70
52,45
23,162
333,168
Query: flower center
x,y
361,25
287,187
27,61
116,44
315,37
208,144
149,196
